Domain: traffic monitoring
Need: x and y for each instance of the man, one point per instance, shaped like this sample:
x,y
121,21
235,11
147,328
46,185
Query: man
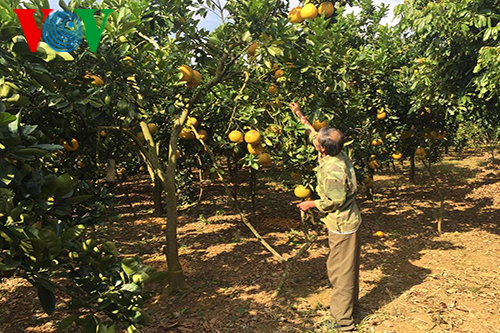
x,y
336,188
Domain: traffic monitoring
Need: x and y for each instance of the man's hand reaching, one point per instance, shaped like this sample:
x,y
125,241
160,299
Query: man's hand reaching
x,y
296,110
306,205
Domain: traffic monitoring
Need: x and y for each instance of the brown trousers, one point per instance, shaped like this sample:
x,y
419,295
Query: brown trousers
x,y
343,273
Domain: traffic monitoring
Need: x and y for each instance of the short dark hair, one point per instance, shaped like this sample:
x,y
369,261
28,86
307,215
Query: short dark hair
x,y
332,140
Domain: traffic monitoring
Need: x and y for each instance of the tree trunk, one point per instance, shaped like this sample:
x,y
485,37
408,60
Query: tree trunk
x,y
412,169
158,198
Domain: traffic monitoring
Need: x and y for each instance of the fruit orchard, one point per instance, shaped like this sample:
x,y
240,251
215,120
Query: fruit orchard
x,y
183,106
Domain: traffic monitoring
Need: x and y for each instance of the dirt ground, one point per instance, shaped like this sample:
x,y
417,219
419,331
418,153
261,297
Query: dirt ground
x,y
412,280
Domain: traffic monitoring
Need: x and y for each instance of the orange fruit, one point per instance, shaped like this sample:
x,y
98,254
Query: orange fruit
x,y
197,76
265,159
192,121
420,153
319,125
203,134
73,147
163,227
81,164
255,149
235,136
186,134
294,15
153,128
302,192
377,142
187,73
374,165
279,73
103,134
327,8
140,136
192,84
397,155
252,48
252,137
309,12
379,234
381,115
272,89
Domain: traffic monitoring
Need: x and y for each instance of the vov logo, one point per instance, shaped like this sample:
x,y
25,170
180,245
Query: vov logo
x,y
62,30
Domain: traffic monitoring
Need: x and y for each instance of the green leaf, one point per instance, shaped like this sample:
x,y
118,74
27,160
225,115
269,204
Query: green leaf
x,y
6,118
79,199
44,80
131,287
246,36
47,300
130,266
67,322
54,244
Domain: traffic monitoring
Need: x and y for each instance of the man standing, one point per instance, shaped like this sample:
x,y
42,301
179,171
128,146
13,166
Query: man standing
x,y
336,188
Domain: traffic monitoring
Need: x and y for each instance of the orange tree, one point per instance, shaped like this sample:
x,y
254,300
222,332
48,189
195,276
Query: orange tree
x,y
49,111
455,43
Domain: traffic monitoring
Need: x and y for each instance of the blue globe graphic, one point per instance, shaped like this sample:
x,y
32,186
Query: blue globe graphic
x,y
63,31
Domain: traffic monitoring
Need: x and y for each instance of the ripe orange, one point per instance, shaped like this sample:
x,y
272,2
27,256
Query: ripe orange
x,y
255,149
381,115
420,153
186,134
397,155
81,164
252,137
302,192
73,147
279,73
153,128
103,133
197,76
309,11
192,84
319,125
379,234
377,142
235,136
294,15
327,8
203,134
264,159
187,73
163,227
252,48
140,136
272,89
192,121
374,165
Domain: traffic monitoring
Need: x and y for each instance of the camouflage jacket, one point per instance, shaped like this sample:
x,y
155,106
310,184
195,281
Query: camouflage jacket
x,y
336,188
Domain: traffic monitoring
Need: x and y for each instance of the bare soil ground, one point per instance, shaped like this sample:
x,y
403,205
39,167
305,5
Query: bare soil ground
x,y
412,280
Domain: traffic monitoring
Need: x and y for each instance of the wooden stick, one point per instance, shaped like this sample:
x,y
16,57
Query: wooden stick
x,y
291,261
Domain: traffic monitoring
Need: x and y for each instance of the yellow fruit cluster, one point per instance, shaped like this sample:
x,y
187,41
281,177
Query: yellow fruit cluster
x,y
310,12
